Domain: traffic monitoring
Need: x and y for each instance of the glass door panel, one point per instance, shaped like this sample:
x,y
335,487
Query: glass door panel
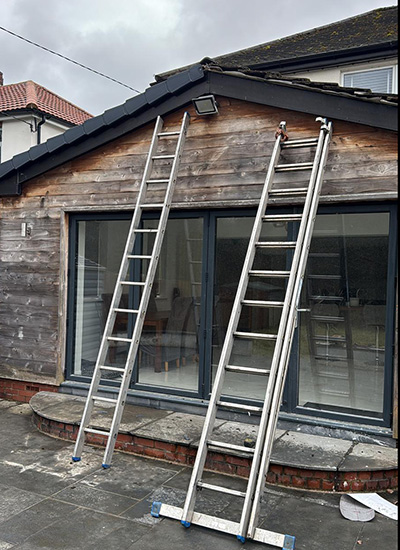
x,y
99,249
232,236
342,336
169,348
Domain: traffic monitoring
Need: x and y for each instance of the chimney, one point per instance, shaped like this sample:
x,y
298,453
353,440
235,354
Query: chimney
x,y
1,78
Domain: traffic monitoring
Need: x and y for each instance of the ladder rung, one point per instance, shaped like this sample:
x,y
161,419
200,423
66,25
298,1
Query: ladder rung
x,y
330,358
162,157
123,310
261,303
118,339
336,392
105,399
266,273
158,181
293,167
324,255
247,370
276,244
326,277
220,489
308,142
293,191
255,336
112,369
230,447
152,206
327,318
324,339
138,257
132,283
168,134
327,298
282,217
99,432
336,375
146,230
239,406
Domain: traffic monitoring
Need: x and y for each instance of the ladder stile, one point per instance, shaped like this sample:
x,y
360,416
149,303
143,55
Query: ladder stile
x,y
188,507
127,257
276,372
305,234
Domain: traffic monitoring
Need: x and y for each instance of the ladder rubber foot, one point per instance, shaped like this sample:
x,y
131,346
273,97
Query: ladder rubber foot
x,y
288,543
155,509
242,539
186,523
106,466
76,458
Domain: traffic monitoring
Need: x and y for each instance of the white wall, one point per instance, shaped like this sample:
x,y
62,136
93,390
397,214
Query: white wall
x,y
334,74
18,137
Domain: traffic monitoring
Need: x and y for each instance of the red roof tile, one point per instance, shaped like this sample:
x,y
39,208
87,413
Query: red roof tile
x,y
28,94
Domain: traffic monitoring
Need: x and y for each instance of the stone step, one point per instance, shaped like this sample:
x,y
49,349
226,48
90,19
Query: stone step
x,y
300,460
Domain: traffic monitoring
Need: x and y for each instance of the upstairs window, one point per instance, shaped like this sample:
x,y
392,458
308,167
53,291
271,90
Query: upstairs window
x,y
376,80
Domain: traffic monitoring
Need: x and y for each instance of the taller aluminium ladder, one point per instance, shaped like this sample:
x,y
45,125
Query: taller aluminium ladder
x,y
247,526
138,315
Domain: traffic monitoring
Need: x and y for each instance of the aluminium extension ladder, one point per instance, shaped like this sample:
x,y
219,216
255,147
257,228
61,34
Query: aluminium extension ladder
x,y
247,527
138,315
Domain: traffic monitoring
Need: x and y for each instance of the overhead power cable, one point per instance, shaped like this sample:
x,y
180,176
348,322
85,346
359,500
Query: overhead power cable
x,y
68,59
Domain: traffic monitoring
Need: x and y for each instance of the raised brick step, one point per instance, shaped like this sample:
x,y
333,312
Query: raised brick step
x,y
299,460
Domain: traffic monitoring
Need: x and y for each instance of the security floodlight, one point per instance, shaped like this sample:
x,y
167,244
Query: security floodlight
x,y
205,105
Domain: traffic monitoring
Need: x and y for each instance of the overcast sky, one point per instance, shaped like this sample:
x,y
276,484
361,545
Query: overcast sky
x,y
132,40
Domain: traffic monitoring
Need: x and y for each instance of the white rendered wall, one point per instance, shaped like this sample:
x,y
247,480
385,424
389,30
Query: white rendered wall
x,y
334,74
17,136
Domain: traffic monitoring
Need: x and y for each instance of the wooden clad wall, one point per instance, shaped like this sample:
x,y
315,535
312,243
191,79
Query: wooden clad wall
x,y
224,164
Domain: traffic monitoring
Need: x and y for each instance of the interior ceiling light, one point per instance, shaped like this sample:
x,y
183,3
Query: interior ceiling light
x,y
205,105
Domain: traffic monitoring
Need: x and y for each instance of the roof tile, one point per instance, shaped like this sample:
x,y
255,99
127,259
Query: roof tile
x,y
28,95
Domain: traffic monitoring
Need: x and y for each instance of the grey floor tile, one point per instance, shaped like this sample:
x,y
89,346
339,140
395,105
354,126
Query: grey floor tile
x,y
95,499
132,476
80,530
13,501
28,522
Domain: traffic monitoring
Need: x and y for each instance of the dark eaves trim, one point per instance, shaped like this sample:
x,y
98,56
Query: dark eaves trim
x,y
178,91
330,59
113,123
305,100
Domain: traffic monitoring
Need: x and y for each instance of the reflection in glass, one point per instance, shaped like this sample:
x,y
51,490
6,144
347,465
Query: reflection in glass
x,y
231,245
342,337
99,251
169,348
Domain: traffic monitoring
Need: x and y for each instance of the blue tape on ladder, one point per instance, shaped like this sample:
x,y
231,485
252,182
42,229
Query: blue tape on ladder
x,y
242,539
155,509
186,523
106,466
288,543
76,458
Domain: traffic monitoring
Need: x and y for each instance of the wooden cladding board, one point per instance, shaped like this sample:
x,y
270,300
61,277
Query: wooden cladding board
x,y
224,164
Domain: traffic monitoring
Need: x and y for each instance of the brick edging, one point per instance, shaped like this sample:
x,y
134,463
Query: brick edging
x,y
299,478
18,390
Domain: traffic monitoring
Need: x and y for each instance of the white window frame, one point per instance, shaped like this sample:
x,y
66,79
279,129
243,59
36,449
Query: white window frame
x,y
368,69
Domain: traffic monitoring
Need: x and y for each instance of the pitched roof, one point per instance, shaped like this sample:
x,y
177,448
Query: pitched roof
x,y
29,95
376,30
297,94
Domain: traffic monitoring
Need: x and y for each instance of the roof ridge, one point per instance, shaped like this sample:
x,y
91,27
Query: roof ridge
x,y
304,33
30,93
